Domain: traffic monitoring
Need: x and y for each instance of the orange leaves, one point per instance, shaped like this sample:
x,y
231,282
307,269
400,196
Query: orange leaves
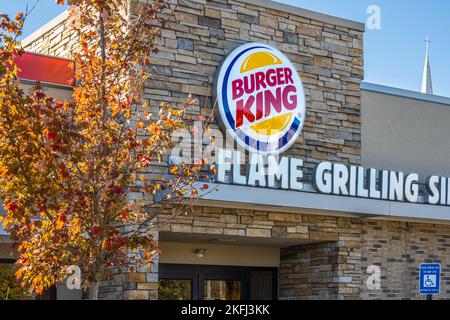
x,y
40,289
174,170
19,16
19,273
114,111
12,26
125,214
144,75
69,167
3,171
11,206
59,224
75,228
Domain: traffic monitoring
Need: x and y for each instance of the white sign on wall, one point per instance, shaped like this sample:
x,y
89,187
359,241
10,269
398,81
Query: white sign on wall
x,y
329,178
260,99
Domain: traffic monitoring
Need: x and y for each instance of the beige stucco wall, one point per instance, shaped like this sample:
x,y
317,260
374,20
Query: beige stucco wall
x,y
220,255
62,93
405,134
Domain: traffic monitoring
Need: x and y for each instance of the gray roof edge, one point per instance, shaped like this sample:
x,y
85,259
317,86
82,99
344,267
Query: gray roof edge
x,y
299,201
377,88
275,5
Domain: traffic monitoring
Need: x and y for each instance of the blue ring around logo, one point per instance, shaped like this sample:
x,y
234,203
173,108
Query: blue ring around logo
x,y
248,141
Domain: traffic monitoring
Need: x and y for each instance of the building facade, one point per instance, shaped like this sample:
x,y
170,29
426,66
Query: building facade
x,y
247,242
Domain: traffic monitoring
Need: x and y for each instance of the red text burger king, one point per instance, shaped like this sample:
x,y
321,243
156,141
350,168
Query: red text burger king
x,y
261,98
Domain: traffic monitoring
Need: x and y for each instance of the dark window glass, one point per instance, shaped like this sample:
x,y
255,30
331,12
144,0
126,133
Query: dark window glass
x,y
261,283
10,288
173,289
221,290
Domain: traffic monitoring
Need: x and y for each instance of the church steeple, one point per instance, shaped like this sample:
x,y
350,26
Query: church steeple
x,y
427,83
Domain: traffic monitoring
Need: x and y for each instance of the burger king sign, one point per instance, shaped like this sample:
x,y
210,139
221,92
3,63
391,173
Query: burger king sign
x,y
261,99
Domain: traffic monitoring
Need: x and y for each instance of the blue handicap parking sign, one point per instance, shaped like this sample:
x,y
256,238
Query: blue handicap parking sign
x,y
430,278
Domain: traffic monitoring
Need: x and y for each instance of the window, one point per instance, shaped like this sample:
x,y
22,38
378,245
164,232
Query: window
x,y
199,282
221,290
261,285
174,289
10,288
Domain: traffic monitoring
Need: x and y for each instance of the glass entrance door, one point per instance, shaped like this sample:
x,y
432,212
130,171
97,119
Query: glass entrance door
x,y
222,289
196,282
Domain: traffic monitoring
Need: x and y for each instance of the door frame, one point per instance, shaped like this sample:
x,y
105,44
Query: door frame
x,y
198,273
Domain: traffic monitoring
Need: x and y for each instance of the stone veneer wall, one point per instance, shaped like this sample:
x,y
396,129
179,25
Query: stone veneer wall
x,y
197,37
312,272
336,266
327,270
199,34
59,41
399,248
139,285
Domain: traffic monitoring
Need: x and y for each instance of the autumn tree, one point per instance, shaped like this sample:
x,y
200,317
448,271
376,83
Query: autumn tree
x,y
67,167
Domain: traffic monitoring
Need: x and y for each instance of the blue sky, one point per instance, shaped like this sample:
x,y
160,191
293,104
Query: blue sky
x,y
394,55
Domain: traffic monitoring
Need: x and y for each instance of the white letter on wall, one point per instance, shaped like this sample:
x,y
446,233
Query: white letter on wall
x,y
257,173
237,177
296,177
278,172
322,177
411,188
223,164
340,179
396,186
433,191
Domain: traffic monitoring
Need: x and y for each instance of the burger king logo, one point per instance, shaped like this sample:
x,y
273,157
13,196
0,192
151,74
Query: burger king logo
x,y
261,98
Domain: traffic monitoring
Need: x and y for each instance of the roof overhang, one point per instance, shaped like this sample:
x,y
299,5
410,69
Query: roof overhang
x,y
402,93
309,202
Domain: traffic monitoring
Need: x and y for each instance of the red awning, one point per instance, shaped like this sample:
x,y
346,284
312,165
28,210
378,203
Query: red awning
x,y
46,69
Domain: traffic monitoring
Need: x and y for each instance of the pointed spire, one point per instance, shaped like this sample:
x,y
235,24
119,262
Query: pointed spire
x,y
427,83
